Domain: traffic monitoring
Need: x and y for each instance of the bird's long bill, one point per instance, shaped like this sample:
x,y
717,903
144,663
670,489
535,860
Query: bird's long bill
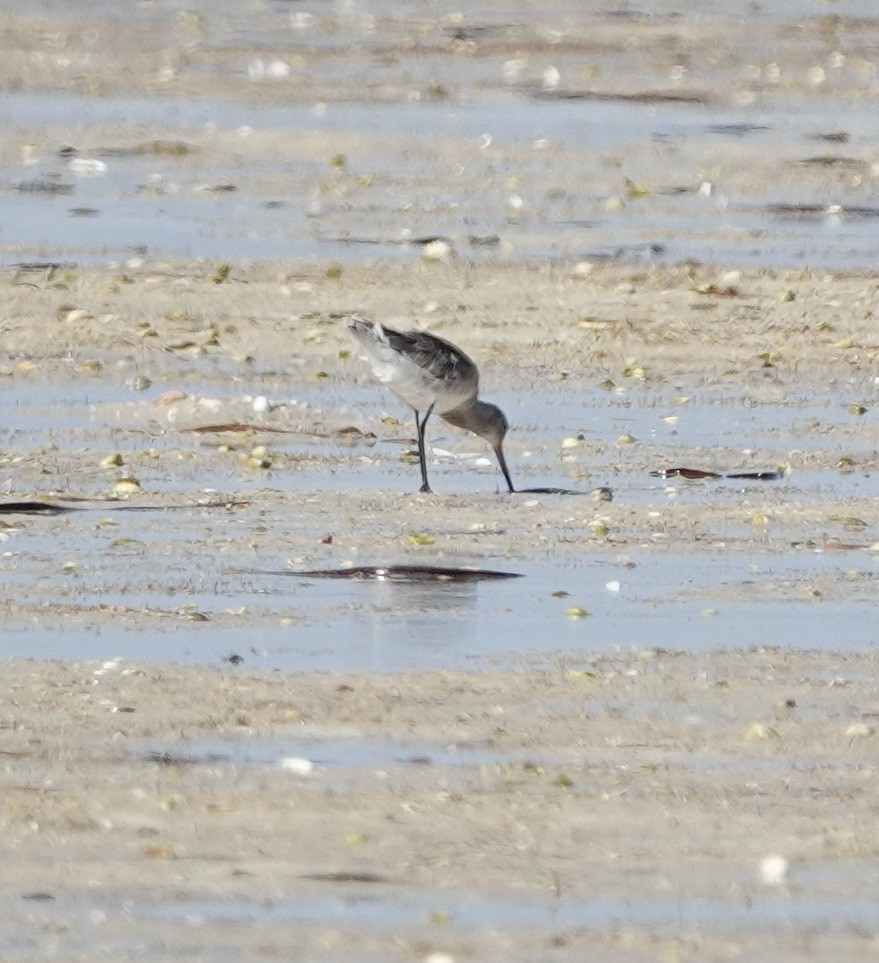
x,y
499,451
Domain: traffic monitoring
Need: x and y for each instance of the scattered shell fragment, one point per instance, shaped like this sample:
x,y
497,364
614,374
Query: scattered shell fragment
x,y
297,764
78,314
258,458
576,612
157,851
86,167
112,461
170,397
515,206
438,250
111,665
258,69
859,730
127,486
774,870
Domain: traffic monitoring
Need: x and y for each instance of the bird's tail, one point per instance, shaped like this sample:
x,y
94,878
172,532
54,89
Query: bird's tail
x,y
366,332
358,325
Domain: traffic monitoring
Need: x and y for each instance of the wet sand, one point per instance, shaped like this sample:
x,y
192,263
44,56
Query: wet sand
x,y
568,803
665,134
618,806
596,763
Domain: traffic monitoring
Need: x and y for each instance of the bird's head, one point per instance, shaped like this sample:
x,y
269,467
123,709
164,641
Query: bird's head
x,y
493,427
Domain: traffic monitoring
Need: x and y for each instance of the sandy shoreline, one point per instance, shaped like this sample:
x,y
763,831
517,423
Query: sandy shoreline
x,y
637,371
620,805
475,775
605,791
675,133
763,328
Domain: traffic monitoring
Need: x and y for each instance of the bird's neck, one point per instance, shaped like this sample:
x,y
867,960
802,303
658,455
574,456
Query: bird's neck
x,y
469,416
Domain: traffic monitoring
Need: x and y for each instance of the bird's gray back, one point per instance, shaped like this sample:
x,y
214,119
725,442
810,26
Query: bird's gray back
x,y
420,368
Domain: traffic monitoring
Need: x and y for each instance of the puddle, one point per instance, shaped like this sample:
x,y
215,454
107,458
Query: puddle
x,y
159,205
324,753
190,586
371,909
729,430
346,754
374,903
670,601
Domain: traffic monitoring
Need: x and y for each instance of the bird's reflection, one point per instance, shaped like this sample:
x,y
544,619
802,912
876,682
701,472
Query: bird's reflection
x,y
414,616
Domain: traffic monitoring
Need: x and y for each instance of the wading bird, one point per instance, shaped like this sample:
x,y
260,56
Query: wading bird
x,y
431,375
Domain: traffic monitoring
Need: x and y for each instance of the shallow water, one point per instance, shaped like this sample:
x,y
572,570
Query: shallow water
x,y
722,431
732,599
382,627
326,755
323,167
163,207
371,910
377,905
384,125
712,417
442,141
755,587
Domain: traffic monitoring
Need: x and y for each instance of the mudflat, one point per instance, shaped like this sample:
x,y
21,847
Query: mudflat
x,y
615,798
622,806
659,743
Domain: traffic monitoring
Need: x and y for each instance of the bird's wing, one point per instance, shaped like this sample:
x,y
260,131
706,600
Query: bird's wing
x,y
436,357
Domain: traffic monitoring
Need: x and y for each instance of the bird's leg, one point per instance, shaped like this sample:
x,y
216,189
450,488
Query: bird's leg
x,y
422,456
